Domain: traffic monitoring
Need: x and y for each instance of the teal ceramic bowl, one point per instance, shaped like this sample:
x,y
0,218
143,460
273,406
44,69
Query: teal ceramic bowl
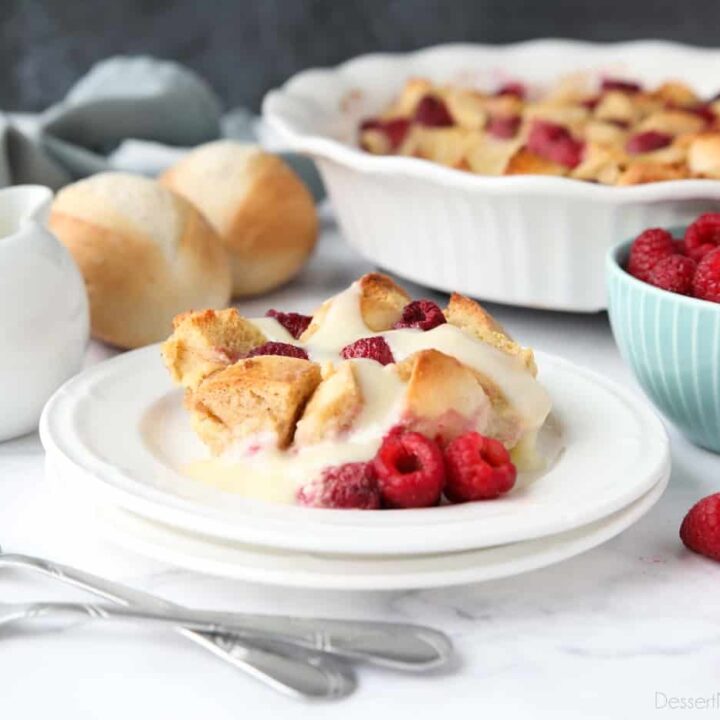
x,y
672,343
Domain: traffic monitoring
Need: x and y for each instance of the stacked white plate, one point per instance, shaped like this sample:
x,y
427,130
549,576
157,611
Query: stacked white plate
x,y
117,433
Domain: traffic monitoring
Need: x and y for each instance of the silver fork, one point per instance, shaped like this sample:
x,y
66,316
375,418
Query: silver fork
x,y
393,645
385,640
303,675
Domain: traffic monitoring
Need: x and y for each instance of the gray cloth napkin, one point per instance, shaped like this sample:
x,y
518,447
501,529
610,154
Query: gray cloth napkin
x,y
128,113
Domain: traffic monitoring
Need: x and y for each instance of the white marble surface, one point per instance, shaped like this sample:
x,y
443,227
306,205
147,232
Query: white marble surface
x,y
610,634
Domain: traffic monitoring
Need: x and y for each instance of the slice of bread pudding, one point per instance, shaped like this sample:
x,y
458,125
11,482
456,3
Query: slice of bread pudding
x,y
371,362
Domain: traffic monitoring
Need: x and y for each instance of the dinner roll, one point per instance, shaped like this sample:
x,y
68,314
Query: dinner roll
x,y
262,210
146,255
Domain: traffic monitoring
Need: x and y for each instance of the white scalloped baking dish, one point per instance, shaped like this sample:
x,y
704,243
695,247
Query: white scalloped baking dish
x,y
524,240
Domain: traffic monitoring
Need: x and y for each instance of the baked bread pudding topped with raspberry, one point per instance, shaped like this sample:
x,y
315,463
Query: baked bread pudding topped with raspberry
x,y
614,132
377,400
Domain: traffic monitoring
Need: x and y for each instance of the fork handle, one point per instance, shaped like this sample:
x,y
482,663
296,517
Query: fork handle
x,y
312,676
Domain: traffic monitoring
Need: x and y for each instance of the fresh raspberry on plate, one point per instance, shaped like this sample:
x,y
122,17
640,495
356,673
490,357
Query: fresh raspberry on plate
x,y
394,130
703,236
648,141
343,487
706,283
278,348
679,247
294,323
649,248
625,86
512,88
432,112
555,143
478,468
503,127
372,348
674,273
420,315
410,470
700,530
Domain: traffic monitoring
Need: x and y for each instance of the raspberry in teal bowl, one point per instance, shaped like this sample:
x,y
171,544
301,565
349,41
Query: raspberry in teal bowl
x,y
672,344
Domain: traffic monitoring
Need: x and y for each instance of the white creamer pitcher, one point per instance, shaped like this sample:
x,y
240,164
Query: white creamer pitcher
x,y
44,322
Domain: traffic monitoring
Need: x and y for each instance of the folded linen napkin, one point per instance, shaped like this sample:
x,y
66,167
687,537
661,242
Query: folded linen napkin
x,y
137,114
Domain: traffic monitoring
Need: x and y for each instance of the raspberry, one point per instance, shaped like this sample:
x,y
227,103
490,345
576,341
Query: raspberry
x,y
348,486
703,236
512,88
674,273
373,348
294,323
649,141
278,348
394,130
432,112
648,249
555,143
478,468
410,470
625,86
700,530
420,315
503,127
706,283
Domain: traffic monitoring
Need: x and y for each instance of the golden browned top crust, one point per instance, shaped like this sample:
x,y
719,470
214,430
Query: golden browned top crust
x,y
489,133
145,254
475,320
256,396
525,162
644,172
381,304
704,156
335,404
443,396
204,342
263,212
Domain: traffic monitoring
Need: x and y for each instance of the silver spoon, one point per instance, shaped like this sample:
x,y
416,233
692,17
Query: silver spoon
x,y
394,645
300,675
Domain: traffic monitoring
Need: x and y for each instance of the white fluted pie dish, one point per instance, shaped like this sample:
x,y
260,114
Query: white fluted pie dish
x,y
530,240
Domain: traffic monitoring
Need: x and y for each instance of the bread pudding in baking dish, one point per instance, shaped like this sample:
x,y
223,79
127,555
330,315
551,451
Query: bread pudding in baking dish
x,y
615,133
377,400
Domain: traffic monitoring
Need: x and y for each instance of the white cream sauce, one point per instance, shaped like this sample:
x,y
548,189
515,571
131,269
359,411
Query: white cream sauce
x,y
275,475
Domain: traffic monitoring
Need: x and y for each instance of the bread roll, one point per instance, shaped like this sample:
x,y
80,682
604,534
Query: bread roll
x,y
146,255
263,212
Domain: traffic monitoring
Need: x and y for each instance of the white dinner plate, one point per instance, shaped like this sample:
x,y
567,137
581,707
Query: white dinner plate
x,y
120,428
351,572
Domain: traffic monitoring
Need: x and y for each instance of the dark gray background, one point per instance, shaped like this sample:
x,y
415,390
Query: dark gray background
x,y
244,47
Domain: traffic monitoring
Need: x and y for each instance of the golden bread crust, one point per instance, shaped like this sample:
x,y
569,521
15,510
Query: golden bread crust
x,y
472,318
640,172
525,162
263,212
336,402
264,395
381,304
443,397
704,156
145,254
204,342
381,301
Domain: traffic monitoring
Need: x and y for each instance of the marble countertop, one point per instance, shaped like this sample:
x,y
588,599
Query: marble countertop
x,y
627,630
